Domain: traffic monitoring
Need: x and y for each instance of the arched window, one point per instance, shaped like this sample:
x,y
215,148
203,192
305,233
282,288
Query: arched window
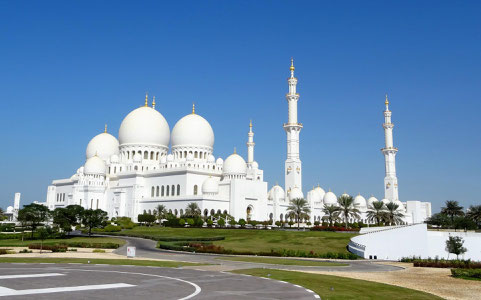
x,y
91,203
115,170
178,190
152,155
146,154
157,192
181,212
136,168
212,212
157,156
128,155
150,212
185,154
281,217
175,212
195,189
206,212
271,216
153,192
173,190
162,191
133,154
167,191
219,212
225,212
195,154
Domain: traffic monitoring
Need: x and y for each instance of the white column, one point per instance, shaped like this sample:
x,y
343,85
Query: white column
x,y
389,152
293,164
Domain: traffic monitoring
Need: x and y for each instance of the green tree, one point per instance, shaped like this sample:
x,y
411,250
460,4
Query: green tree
x,y
298,209
474,213
192,210
2,214
439,219
94,218
377,212
42,235
33,215
160,212
454,244
452,209
221,222
330,213
232,222
393,215
347,208
242,223
182,222
67,217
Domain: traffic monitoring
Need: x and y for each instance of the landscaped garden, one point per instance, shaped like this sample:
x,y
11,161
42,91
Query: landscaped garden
x,y
334,287
77,242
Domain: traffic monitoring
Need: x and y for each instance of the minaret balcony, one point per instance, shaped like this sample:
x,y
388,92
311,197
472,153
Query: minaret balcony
x,y
292,125
389,150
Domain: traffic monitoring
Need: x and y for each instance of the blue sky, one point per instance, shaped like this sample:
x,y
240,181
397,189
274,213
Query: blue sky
x,y
69,67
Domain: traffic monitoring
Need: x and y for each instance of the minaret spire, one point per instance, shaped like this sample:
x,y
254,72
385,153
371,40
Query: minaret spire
x,y
153,103
250,145
193,108
146,99
105,130
389,152
293,164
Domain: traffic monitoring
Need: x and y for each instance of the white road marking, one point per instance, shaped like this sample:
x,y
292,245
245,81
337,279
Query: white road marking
x,y
30,275
11,292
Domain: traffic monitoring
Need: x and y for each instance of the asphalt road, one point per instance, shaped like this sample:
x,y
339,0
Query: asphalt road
x,y
147,249
75,281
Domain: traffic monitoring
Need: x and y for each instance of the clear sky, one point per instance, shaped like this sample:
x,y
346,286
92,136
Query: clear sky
x,y
66,68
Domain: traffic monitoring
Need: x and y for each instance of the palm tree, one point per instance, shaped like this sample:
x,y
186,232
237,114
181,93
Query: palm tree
x,y
376,212
330,211
2,215
474,213
298,209
393,215
452,209
347,208
160,212
192,210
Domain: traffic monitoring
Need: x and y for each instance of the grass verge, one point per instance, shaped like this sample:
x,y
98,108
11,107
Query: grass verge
x,y
334,287
284,261
130,262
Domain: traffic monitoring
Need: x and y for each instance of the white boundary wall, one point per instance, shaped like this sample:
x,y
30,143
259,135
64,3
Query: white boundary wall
x,y
413,240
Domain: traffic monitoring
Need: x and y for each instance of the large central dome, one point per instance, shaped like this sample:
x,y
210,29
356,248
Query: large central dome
x,y
144,126
192,130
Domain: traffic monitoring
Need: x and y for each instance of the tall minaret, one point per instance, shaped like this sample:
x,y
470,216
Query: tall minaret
x,y
250,146
293,165
390,180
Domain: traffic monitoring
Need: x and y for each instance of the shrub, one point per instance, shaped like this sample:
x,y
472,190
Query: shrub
x,y
221,222
25,251
278,223
210,223
332,228
242,222
291,223
466,273
190,222
112,228
6,251
442,263
316,223
308,223
232,222
72,250
182,222
98,251
53,248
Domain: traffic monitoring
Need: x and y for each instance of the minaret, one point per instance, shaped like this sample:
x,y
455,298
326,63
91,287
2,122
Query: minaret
x,y
390,180
293,165
250,146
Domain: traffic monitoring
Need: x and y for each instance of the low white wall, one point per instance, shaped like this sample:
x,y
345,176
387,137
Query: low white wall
x,y
414,240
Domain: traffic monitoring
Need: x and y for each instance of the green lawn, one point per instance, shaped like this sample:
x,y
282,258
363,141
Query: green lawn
x,y
255,240
96,240
32,260
284,261
334,287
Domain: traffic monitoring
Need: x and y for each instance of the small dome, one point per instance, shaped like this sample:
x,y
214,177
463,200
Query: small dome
x,y
235,165
320,191
137,158
345,195
295,193
192,130
144,126
210,186
315,195
10,210
255,165
170,158
114,159
211,158
360,201
400,204
277,192
103,145
219,161
94,166
385,201
371,200
330,198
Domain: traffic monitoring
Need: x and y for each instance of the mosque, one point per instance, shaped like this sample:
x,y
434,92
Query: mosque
x,y
138,171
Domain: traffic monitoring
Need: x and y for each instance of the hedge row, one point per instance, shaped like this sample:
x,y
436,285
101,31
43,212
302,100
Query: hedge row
x,y
443,263
80,245
466,273
53,248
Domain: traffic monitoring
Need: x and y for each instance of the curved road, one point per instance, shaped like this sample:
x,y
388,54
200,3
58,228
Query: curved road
x,y
147,249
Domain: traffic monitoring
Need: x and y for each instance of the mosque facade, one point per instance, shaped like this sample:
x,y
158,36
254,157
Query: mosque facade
x,y
138,171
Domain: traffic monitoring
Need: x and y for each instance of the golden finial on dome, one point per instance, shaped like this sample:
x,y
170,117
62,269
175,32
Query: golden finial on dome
x,y
146,99
153,103
292,64
250,123
277,183
105,130
387,101
235,150
193,108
